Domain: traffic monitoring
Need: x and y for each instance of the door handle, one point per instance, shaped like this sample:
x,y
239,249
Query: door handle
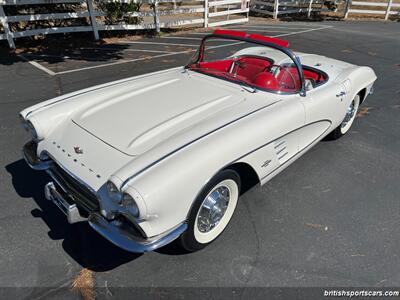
x,y
341,94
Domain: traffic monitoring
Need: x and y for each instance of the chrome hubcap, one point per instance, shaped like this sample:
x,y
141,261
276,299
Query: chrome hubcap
x,y
349,114
213,209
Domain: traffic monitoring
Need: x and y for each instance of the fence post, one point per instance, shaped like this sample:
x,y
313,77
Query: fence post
x,y
7,31
93,20
388,10
156,16
309,9
276,9
205,13
347,8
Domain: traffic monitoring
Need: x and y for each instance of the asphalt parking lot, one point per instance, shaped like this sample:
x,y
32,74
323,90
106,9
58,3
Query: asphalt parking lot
x,y
330,219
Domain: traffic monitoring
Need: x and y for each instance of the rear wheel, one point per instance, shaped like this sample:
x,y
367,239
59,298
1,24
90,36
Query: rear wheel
x,y
348,120
211,211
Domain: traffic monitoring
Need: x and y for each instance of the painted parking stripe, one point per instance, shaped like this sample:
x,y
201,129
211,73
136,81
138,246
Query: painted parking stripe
x,y
259,30
303,31
283,25
37,65
157,43
124,61
189,38
268,27
128,49
96,49
180,37
161,55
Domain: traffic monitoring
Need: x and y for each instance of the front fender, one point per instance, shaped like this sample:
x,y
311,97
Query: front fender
x,y
170,186
359,78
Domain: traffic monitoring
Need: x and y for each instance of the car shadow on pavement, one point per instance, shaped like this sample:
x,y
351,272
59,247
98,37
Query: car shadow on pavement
x,y
85,246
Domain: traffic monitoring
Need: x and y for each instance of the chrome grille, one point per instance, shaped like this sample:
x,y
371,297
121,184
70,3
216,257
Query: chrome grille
x,y
80,194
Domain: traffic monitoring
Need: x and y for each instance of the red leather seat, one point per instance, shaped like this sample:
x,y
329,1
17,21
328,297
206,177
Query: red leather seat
x,y
251,66
266,80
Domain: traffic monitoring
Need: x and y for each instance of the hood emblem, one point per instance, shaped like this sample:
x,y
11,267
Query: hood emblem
x,y
78,150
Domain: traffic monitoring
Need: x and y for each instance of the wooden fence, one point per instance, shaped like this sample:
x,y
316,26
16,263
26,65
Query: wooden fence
x,y
206,13
373,8
275,8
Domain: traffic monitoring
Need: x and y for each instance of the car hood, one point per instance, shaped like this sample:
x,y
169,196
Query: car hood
x,y
135,117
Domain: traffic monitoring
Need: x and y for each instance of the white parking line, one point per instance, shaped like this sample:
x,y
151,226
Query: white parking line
x,y
259,30
127,49
282,25
180,37
188,38
35,64
157,43
267,27
123,61
303,31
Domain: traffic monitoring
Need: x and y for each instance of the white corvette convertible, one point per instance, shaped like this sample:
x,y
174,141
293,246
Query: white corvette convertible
x,y
165,156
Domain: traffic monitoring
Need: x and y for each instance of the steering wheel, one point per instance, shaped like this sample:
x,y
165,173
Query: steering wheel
x,y
282,69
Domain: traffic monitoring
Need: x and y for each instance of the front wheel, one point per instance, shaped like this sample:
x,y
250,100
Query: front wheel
x,y
348,120
211,211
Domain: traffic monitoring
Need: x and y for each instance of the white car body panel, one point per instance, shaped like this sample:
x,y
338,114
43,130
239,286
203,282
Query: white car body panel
x,y
164,135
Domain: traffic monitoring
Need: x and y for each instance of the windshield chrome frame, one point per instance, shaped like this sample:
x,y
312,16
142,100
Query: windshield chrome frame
x,y
292,56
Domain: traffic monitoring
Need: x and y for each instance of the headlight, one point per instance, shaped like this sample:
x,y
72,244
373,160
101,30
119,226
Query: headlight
x,y
124,200
130,205
113,192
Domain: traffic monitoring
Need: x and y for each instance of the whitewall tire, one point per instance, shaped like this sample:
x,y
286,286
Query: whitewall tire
x,y
348,120
212,210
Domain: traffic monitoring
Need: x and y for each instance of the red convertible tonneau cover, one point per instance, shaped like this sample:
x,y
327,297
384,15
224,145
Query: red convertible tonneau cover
x,y
252,36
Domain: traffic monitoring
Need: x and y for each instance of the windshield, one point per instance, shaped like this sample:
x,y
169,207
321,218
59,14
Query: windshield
x,y
247,63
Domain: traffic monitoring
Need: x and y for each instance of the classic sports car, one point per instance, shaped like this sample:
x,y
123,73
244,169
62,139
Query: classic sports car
x,y
165,156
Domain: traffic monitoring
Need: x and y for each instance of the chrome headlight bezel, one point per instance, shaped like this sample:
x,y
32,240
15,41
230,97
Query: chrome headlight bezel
x,y
29,126
32,130
113,192
130,205
124,200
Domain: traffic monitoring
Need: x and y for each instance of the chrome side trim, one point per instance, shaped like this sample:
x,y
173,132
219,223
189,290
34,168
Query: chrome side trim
x,y
262,146
193,141
123,239
301,151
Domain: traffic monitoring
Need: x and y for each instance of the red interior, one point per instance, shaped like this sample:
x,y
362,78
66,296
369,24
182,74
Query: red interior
x,y
255,71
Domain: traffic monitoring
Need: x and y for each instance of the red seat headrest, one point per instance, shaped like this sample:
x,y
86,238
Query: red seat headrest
x,y
266,80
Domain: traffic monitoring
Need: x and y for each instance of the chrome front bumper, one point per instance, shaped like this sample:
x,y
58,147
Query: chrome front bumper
x,y
68,208
115,231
